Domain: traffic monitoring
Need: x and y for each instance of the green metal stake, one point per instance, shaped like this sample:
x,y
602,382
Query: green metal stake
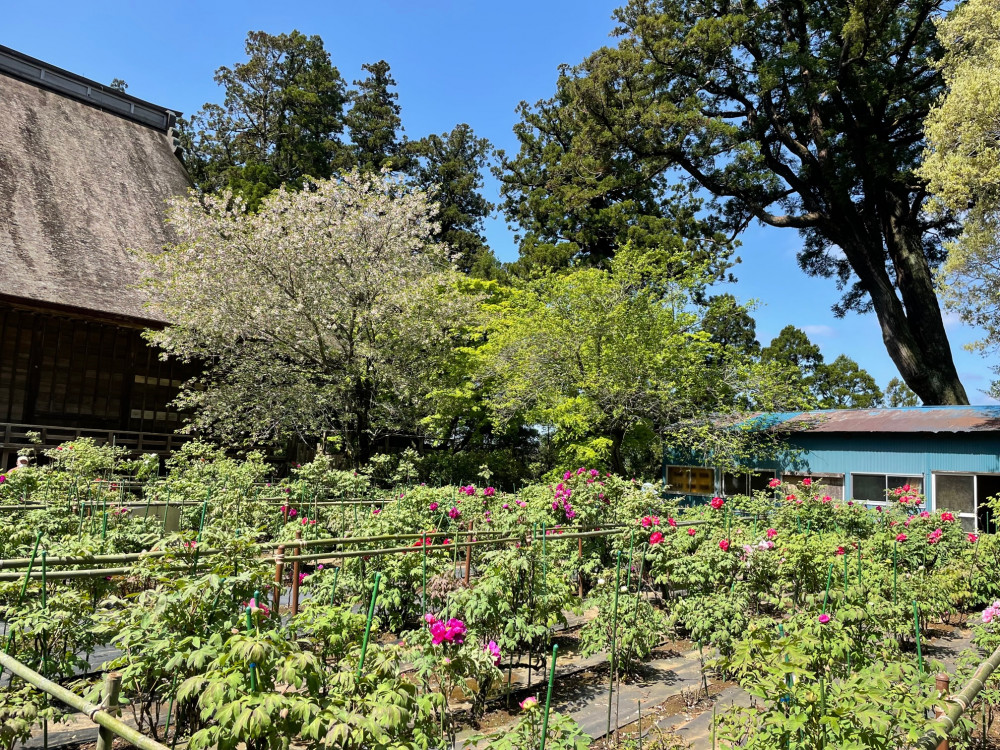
x,y
423,595
170,707
845,574
628,575
895,591
253,666
45,653
368,625
104,525
548,697
829,578
201,526
333,591
24,588
165,509
45,603
859,564
916,629
614,633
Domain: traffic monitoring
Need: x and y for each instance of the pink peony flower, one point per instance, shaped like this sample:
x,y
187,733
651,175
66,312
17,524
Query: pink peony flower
x,y
433,506
774,483
376,511
771,533
900,537
824,618
646,522
840,550
671,522
724,545
656,537
972,538
529,703
947,516
493,650
717,502
806,482
454,512
691,532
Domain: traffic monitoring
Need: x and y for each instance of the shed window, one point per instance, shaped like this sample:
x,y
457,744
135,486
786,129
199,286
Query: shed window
x,y
691,480
745,483
822,484
872,488
966,495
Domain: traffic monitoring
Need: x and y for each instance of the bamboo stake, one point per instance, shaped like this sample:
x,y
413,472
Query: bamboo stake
x,y
96,714
960,703
112,684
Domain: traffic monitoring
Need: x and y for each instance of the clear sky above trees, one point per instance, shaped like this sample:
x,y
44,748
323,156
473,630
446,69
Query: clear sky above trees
x,y
453,62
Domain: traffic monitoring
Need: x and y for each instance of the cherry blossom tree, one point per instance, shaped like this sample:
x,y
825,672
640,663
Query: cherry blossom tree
x,y
327,312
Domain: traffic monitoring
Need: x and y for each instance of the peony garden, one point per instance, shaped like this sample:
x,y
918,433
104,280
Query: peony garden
x,y
209,605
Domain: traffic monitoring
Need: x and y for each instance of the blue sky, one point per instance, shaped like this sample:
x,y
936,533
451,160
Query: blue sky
x,y
455,61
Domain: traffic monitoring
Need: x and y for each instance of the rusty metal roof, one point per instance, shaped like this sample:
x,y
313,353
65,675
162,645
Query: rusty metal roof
x,y
898,420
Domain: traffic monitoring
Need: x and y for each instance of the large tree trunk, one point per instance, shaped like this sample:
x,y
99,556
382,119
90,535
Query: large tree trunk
x,y
912,328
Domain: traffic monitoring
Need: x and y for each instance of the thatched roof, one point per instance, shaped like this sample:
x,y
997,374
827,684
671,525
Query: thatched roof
x,y
79,185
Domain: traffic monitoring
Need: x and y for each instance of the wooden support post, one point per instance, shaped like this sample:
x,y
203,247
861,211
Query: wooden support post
x,y
468,557
296,567
579,559
279,568
112,684
942,684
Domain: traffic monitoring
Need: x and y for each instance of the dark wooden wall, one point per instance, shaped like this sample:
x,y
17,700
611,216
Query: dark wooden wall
x,y
73,372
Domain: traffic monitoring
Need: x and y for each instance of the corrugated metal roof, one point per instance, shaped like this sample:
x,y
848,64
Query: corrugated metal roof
x,y
899,420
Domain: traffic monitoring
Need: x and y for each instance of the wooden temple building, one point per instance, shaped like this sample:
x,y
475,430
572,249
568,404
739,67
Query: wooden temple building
x,y
85,171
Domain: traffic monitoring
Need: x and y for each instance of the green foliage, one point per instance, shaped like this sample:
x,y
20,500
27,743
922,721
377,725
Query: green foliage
x,y
562,733
608,356
638,629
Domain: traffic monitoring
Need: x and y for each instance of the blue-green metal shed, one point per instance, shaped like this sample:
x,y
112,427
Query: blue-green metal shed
x,y
949,454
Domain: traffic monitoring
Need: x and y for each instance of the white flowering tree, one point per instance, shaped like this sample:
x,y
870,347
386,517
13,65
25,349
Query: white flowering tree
x,y
328,311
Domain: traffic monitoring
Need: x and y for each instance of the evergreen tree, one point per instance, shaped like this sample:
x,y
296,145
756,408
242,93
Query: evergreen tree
x,y
450,165
374,121
280,121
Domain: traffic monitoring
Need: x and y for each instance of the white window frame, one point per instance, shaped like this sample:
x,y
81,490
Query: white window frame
x,y
885,475
975,492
